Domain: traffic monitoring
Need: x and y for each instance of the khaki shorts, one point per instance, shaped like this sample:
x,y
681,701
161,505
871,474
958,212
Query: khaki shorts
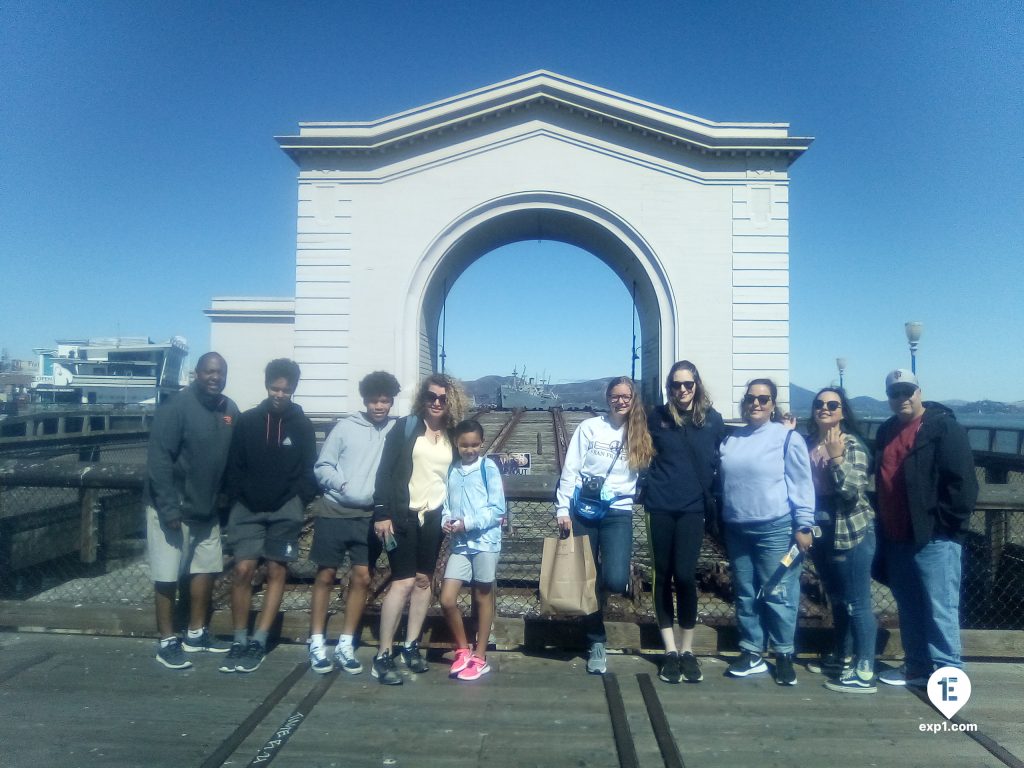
x,y
193,548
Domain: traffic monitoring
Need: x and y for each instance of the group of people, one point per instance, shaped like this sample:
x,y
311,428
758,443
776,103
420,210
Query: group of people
x,y
400,485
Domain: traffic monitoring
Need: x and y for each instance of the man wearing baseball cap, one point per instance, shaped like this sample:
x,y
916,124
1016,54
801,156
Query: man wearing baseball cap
x,y
926,492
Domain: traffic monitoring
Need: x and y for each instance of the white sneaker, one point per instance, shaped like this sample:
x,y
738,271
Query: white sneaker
x,y
318,660
597,662
345,657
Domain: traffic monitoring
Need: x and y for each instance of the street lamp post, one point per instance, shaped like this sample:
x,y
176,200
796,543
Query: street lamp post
x,y
841,365
914,330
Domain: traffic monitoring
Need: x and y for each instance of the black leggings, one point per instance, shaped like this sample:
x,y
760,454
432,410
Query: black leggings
x,y
675,539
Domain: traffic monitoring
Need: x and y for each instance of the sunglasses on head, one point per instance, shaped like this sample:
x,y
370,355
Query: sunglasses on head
x,y
688,385
901,391
433,397
761,399
832,405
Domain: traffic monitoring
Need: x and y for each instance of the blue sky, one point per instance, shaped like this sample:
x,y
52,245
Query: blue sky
x,y
139,176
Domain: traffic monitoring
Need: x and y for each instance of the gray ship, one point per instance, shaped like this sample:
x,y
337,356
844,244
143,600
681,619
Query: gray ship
x,y
527,393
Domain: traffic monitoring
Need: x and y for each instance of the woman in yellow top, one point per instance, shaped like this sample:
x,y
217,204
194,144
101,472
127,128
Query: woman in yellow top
x,y
408,496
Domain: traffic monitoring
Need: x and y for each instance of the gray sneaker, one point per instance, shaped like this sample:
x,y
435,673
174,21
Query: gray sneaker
x,y
205,642
413,657
172,656
384,670
235,655
253,657
597,661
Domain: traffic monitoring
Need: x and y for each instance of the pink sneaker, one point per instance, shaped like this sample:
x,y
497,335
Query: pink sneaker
x,y
462,657
476,669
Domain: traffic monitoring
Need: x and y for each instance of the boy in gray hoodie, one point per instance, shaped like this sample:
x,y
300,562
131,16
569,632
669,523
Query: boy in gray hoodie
x,y
346,471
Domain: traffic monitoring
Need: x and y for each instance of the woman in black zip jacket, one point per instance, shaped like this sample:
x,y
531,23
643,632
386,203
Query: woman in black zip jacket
x,y
408,495
686,432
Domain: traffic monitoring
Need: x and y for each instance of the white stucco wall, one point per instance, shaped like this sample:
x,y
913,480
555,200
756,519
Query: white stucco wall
x,y
249,333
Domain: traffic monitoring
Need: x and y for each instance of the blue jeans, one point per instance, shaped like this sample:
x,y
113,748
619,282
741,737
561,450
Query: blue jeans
x,y
846,574
611,541
926,584
754,554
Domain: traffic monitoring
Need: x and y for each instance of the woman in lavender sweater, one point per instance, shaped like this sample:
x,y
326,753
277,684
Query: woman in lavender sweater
x,y
768,499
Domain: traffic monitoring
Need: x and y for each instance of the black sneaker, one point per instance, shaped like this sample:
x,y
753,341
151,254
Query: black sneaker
x,y
784,672
385,671
747,664
253,657
830,665
670,670
172,656
413,658
205,642
235,655
691,668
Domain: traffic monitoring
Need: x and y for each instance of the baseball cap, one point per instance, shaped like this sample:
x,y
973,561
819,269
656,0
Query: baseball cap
x,y
900,376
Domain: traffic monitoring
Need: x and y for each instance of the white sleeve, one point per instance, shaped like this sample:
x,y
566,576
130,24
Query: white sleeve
x,y
570,478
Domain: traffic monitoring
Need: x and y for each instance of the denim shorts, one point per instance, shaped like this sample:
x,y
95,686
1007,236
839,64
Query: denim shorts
x,y
478,567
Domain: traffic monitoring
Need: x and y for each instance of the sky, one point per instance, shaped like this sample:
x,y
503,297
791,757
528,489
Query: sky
x,y
139,176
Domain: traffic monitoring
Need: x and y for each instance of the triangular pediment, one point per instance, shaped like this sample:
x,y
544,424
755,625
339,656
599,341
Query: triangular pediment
x,y
537,92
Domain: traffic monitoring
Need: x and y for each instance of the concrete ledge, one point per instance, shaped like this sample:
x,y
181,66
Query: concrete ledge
x,y
531,633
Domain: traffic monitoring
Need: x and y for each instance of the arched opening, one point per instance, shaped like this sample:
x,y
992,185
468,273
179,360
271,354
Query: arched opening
x,y
544,216
542,309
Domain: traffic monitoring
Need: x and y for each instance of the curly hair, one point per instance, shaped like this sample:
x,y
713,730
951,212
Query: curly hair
x,y
457,400
378,383
282,368
639,446
701,402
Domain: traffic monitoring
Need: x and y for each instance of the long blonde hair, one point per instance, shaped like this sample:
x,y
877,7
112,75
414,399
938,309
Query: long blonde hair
x,y
639,446
456,398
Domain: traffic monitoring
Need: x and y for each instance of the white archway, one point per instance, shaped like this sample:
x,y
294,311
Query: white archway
x,y
542,215
695,211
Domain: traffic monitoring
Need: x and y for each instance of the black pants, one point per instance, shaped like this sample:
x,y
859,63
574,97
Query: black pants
x,y
675,539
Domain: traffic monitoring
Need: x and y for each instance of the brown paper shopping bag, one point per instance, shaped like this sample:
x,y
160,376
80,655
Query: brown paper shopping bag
x,y
568,577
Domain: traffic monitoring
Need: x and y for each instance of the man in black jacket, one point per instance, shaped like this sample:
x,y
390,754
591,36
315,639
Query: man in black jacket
x,y
926,492
188,448
270,481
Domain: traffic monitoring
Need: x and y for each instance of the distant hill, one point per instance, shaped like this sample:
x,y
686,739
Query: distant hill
x,y
592,391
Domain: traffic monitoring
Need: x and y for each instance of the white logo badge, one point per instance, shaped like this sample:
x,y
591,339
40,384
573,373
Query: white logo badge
x,y
949,689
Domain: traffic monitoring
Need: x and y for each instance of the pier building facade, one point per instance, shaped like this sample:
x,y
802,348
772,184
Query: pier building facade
x,y
391,212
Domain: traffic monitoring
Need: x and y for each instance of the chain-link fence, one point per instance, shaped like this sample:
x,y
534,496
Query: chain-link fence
x,y
76,535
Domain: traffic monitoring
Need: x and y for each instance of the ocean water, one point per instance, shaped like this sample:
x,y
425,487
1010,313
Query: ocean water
x,y
979,426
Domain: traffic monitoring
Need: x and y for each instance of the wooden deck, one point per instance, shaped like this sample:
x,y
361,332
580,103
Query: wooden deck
x,y
81,701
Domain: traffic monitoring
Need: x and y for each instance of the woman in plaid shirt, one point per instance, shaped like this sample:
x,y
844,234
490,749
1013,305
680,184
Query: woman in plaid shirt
x,y
840,464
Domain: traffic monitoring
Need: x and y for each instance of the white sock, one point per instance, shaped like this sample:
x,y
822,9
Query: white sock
x,y
167,641
195,634
316,641
345,640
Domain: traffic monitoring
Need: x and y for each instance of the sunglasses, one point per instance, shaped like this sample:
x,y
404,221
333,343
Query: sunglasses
x,y
687,385
832,405
901,392
762,399
433,397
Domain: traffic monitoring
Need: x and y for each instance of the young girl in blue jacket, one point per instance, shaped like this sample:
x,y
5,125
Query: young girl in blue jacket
x,y
472,516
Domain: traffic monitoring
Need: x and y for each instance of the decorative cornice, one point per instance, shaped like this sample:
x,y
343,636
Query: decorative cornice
x,y
544,90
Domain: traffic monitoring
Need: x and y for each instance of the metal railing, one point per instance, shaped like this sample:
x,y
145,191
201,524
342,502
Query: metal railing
x,y
75,533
